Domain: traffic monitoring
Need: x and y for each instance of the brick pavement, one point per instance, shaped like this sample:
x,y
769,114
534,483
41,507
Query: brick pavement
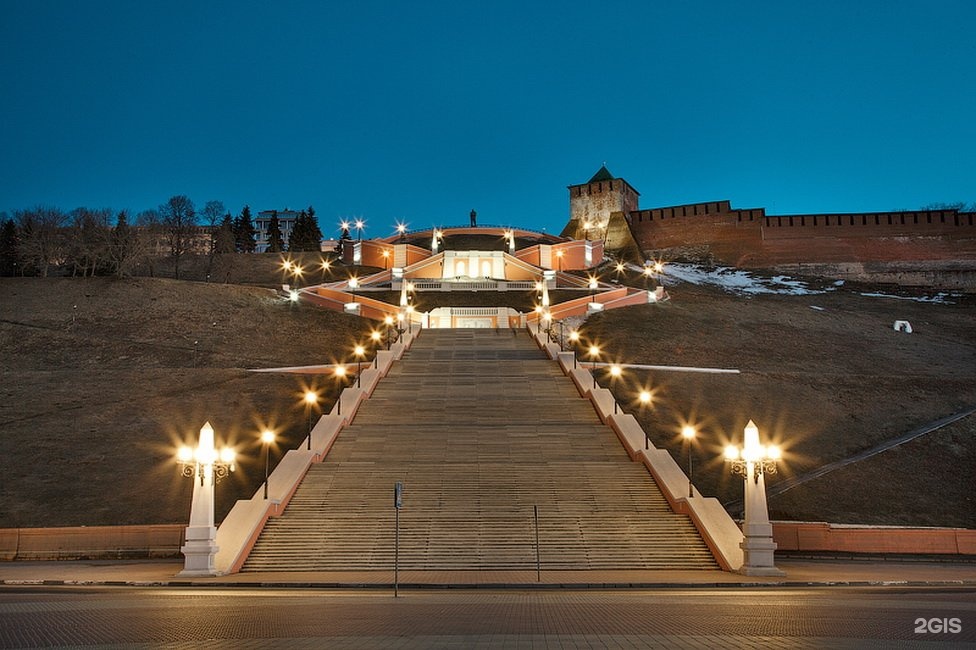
x,y
687,618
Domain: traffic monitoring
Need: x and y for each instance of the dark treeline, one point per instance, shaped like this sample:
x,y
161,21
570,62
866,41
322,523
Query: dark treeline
x,y
43,241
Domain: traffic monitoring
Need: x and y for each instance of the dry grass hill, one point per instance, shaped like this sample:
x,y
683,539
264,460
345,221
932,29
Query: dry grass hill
x,y
101,378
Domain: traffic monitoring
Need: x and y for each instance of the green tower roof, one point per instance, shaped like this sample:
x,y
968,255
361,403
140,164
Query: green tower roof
x,y
602,175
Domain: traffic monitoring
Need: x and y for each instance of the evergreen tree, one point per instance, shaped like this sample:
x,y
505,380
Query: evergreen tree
x,y
245,233
276,243
305,236
299,233
224,239
315,233
125,247
9,248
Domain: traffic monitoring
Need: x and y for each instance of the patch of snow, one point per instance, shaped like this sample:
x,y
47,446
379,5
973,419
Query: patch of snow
x,y
938,299
818,308
735,281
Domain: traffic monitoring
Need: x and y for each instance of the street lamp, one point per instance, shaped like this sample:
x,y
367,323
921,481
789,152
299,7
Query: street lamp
x,y
574,339
360,353
353,284
593,286
376,337
340,375
645,397
360,225
559,258
311,397
386,258
594,353
388,321
615,372
267,437
402,230
648,271
752,462
620,269
209,465
688,433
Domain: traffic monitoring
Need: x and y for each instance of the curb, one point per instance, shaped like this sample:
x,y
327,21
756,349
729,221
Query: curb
x,y
417,586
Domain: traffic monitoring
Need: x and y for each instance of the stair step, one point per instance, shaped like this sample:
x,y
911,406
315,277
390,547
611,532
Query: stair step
x,y
480,429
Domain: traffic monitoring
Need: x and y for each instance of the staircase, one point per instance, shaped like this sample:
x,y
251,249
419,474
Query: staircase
x,y
484,432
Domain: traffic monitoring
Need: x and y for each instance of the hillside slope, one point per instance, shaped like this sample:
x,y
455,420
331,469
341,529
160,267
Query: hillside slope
x,y
102,378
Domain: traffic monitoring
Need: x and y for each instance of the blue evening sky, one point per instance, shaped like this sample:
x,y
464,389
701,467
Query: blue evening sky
x,y
421,111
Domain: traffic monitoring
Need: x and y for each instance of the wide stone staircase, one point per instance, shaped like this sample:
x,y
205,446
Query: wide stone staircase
x,y
503,466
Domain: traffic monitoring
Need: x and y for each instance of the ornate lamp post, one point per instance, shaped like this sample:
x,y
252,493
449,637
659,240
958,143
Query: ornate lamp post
x,y
205,463
752,462
267,437
688,433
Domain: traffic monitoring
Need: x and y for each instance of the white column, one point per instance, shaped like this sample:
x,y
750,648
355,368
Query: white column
x,y
201,535
758,545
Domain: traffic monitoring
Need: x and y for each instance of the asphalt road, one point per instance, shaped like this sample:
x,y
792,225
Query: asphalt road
x,y
699,618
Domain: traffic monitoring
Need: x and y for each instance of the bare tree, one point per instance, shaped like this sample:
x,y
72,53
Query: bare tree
x,y
87,240
960,206
42,237
179,220
149,225
126,246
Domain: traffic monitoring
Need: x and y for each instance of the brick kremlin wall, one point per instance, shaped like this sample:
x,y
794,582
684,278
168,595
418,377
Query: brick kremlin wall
x,y
928,240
